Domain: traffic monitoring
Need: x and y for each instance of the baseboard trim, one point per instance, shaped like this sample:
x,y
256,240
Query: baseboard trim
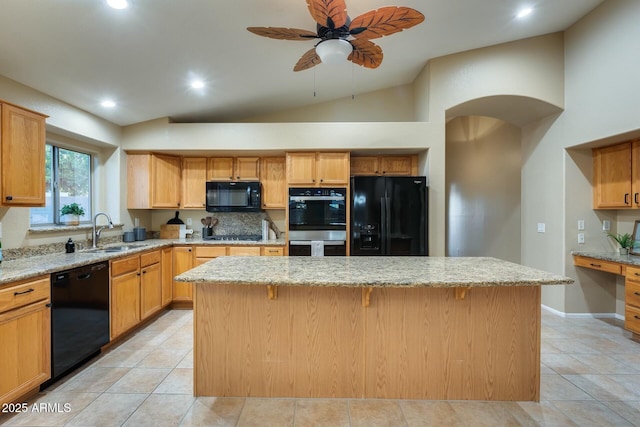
x,y
583,315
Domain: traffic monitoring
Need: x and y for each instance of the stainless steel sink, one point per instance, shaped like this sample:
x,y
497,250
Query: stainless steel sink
x,y
111,249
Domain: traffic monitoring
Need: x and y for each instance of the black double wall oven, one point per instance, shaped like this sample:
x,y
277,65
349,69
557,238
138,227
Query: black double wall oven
x,y
317,221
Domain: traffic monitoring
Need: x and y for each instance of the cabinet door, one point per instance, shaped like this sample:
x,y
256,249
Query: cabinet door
x,y
22,152
363,166
635,173
150,290
274,183
167,276
220,169
244,251
612,176
182,261
194,178
395,165
138,181
165,179
25,353
333,168
125,302
301,168
247,168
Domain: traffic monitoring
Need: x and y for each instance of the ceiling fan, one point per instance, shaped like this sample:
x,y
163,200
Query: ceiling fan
x,y
337,31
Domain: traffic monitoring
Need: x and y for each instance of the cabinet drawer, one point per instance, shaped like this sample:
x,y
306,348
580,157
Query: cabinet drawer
x,y
125,265
149,258
244,251
632,319
267,251
210,251
633,273
632,293
24,293
598,264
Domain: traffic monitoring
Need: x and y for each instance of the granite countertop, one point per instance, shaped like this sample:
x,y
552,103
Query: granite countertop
x,y
369,272
610,256
27,267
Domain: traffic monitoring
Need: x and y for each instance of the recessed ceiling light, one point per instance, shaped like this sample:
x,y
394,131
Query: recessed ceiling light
x,y
107,103
197,84
118,4
524,12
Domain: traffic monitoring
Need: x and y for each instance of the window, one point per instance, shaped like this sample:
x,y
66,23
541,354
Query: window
x,y
67,180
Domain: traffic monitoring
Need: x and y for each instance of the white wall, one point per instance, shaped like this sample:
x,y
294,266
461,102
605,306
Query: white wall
x,y
601,98
483,163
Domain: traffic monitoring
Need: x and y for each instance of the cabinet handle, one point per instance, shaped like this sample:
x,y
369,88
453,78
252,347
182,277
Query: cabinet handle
x,y
49,305
144,271
626,198
637,293
237,177
322,180
635,316
377,172
24,292
137,274
230,177
9,197
635,198
597,265
637,274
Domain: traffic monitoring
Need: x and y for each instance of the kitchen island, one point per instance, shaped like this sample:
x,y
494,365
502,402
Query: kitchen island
x,y
367,327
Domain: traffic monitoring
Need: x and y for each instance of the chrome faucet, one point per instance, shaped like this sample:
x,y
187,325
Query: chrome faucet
x,y
96,232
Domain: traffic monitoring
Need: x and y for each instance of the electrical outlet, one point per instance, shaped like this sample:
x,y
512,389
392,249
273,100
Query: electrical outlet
x,y
606,225
580,237
581,224
541,227
189,221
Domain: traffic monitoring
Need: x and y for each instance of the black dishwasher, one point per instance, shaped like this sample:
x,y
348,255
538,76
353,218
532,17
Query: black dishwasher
x,y
79,316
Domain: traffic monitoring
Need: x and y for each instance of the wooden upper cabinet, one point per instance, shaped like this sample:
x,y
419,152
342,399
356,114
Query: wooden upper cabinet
x,y
194,178
274,183
384,165
614,179
153,181
317,169
233,169
22,138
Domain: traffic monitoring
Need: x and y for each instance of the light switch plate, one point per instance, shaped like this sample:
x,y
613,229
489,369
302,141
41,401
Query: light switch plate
x,y
580,237
581,224
606,225
189,221
541,227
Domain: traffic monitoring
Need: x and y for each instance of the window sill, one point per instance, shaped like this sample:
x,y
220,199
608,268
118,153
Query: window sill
x,y
59,228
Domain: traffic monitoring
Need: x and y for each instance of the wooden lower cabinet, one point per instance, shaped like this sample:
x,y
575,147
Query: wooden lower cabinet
x,y
25,337
187,257
136,290
182,261
632,300
167,276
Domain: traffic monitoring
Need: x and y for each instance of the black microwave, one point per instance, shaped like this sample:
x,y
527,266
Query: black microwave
x,y
232,196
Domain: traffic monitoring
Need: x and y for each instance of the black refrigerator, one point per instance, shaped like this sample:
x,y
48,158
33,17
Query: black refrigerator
x,y
389,216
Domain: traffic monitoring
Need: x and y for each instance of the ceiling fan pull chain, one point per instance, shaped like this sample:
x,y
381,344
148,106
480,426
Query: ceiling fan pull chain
x,y
353,92
314,82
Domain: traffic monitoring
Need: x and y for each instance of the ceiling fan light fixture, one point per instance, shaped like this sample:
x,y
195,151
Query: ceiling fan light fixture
x,y
334,51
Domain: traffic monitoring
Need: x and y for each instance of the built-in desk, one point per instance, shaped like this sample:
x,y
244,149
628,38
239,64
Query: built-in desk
x,y
622,265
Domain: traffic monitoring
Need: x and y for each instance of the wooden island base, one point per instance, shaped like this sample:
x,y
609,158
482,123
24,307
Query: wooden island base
x,y
408,343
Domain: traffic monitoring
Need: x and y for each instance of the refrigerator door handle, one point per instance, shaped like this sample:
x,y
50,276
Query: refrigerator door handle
x,y
383,225
387,224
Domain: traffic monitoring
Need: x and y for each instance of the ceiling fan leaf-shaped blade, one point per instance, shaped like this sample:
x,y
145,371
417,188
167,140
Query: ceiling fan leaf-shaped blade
x,y
384,21
366,53
281,33
328,13
308,60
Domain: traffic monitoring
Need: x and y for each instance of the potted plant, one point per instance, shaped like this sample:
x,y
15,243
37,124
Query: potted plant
x,y
624,240
73,211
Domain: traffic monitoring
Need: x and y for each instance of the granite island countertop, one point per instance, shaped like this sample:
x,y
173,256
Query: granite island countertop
x,y
370,272
27,267
610,256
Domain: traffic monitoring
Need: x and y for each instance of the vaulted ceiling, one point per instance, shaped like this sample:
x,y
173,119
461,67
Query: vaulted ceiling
x,y
144,57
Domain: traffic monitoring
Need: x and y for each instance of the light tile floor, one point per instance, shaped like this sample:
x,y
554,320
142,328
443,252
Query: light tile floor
x,y
590,377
